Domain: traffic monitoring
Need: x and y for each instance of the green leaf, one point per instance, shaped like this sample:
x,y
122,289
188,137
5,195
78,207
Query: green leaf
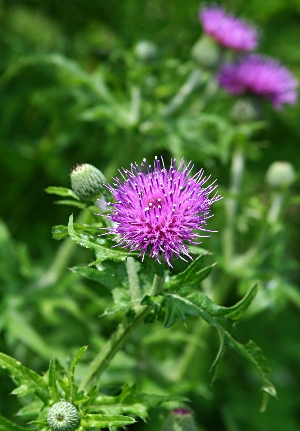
x,y
197,303
100,246
31,410
109,274
71,382
130,401
254,355
61,191
25,376
157,302
6,425
54,394
122,301
177,308
151,266
215,368
61,231
104,421
71,203
201,301
193,274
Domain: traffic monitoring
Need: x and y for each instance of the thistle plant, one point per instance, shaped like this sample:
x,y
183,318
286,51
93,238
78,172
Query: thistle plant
x,y
172,246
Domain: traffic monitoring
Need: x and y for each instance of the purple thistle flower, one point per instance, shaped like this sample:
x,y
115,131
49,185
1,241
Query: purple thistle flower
x,y
157,210
262,76
228,30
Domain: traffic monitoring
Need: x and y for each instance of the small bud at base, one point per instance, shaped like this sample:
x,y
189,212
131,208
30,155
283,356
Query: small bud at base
x,y
63,416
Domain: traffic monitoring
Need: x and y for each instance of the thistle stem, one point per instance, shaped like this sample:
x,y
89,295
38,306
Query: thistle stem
x,y
134,284
111,348
231,203
187,88
275,208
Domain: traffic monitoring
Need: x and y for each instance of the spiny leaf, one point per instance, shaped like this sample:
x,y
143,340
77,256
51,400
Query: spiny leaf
x,y
72,371
54,394
61,191
254,355
199,299
110,274
61,232
178,308
104,421
25,376
100,246
193,274
6,425
157,302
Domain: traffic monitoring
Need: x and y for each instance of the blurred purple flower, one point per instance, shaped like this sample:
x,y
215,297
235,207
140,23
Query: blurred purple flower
x,y
262,76
227,30
157,210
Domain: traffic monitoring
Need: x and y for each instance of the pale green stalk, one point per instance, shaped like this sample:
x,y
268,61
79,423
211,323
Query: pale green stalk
x,y
114,344
188,87
134,284
231,203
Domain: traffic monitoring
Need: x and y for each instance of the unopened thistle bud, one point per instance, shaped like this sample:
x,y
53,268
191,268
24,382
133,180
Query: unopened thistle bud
x,y
145,50
206,52
280,175
63,416
179,420
246,110
87,181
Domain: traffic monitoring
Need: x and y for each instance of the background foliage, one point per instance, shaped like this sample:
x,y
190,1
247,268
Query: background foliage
x,y
75,88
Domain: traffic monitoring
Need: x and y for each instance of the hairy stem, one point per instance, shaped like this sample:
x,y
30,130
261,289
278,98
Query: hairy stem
x,y
114,344
134,285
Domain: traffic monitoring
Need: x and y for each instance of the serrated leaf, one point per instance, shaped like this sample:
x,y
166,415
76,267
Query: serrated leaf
x,y
25,376
100,246
130,401
6,425
53,389
193,274
110,274
31,410
199,299
194,303
71,382
157,302
60,232
104,421
215,368
122,301
254,355
178,308
61,191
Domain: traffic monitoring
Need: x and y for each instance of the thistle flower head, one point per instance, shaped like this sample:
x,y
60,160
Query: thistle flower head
x,y
63,416
227,30
158,210
261,76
